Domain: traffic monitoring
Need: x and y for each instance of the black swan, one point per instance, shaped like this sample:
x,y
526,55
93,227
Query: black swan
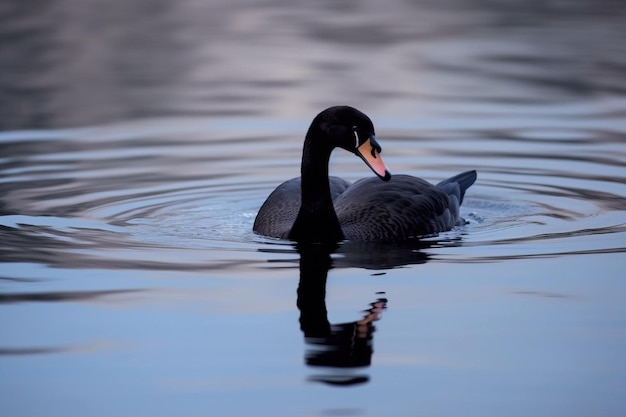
x,y
317,208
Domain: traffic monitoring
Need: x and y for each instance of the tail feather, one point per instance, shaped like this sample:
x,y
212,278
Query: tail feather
x,y
463,181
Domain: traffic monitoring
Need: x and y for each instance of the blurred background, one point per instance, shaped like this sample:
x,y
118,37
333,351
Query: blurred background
x,y
76,63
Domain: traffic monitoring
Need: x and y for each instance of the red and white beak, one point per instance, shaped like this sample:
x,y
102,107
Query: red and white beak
x,y
369,151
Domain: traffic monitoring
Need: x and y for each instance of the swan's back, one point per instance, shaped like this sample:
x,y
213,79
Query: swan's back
x,y
371,209
401,208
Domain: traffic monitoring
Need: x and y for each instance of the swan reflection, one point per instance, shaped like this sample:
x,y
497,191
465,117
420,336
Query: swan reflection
x,y
342,350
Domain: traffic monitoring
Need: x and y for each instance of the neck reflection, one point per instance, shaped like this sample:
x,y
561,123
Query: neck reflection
x,y
341,353
343,349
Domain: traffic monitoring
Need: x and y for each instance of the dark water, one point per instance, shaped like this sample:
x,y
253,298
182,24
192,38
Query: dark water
x,y
140,138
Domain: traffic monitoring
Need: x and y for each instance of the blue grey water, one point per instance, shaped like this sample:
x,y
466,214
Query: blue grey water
x,y
138,140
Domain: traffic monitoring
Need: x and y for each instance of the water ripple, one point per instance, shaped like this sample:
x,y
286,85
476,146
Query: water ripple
x,y
98,200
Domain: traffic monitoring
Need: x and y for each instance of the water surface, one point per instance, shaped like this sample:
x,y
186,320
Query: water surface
x,y
139,140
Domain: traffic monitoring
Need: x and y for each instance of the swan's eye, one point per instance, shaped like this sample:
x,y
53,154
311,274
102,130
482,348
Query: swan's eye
x,y
356,137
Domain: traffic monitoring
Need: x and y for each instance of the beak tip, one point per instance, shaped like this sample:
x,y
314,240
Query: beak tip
x,y
387,176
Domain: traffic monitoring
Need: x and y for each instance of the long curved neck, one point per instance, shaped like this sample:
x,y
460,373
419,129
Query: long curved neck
x,y
317,220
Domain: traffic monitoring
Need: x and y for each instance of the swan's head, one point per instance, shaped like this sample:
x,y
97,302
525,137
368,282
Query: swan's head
x,y
348,128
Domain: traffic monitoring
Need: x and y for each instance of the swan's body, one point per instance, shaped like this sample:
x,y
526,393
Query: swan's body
x,y
319,208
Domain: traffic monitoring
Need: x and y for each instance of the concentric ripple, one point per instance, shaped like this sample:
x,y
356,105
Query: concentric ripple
x,y
160,198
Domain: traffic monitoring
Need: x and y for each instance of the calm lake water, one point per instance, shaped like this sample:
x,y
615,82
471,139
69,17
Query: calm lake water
x,y
138,140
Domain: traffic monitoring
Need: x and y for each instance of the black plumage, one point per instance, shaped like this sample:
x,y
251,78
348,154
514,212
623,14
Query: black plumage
x,y
319,208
